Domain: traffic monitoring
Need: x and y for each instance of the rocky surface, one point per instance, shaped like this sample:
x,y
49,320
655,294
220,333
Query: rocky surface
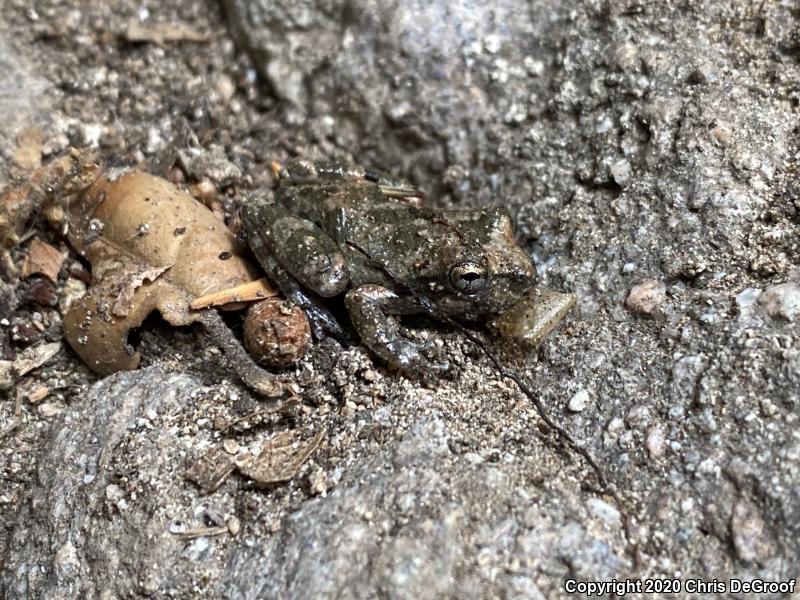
x,y
649,152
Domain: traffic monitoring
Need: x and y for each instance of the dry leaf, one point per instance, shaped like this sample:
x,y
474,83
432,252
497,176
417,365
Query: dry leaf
x,y
280,459
99,335
128,287
160,225
34,357
152,247
42,259
210,470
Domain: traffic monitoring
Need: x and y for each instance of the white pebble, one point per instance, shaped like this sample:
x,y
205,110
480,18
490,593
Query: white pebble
x,y
578,402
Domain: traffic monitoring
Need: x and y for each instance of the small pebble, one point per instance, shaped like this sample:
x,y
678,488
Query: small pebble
x,y
579,401
646,297
782,301
234,525
748,533
721,132
319,483
747,297
655,442
225,87
74,290
177,527
604,510
621,171
230,446
50,409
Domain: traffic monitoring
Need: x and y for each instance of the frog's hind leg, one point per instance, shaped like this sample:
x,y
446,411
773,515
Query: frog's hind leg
x,y
299,246
371,308
322,322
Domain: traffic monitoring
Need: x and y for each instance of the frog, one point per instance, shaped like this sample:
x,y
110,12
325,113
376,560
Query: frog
x,y
332,230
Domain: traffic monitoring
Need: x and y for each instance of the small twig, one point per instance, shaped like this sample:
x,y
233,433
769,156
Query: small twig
x,y
562,433
191,534
262,381
537,404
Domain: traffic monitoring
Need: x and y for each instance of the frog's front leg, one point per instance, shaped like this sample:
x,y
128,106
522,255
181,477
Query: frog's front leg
x,y
371,308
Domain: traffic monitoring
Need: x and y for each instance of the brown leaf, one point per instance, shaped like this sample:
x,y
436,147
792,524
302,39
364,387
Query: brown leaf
x,y
42,259
160,225
97,333
128,287
280,459
152,247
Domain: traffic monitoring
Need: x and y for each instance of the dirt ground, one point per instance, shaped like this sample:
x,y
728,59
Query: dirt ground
x,y
648,153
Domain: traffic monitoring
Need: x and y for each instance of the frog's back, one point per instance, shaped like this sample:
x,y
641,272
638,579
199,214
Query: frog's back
x,y
386,240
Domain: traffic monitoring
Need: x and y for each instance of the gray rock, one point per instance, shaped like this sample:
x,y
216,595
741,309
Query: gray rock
x,y
409,522
106,487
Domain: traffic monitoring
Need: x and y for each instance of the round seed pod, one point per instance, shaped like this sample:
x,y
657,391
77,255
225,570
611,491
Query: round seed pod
x,y
276,332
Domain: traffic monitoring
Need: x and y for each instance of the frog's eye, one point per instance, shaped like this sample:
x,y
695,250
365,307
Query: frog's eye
x,y
468,278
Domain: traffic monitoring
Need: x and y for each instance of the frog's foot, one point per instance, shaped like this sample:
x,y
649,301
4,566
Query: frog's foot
x,y
320,319
371,308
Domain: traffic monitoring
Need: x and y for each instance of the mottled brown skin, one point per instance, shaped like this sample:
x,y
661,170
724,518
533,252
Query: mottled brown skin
x,y
336,231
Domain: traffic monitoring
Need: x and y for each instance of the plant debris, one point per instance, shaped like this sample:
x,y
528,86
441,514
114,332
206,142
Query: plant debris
x,y
278,461
162,33
247,292
34,357
28,360
151,247
42,259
